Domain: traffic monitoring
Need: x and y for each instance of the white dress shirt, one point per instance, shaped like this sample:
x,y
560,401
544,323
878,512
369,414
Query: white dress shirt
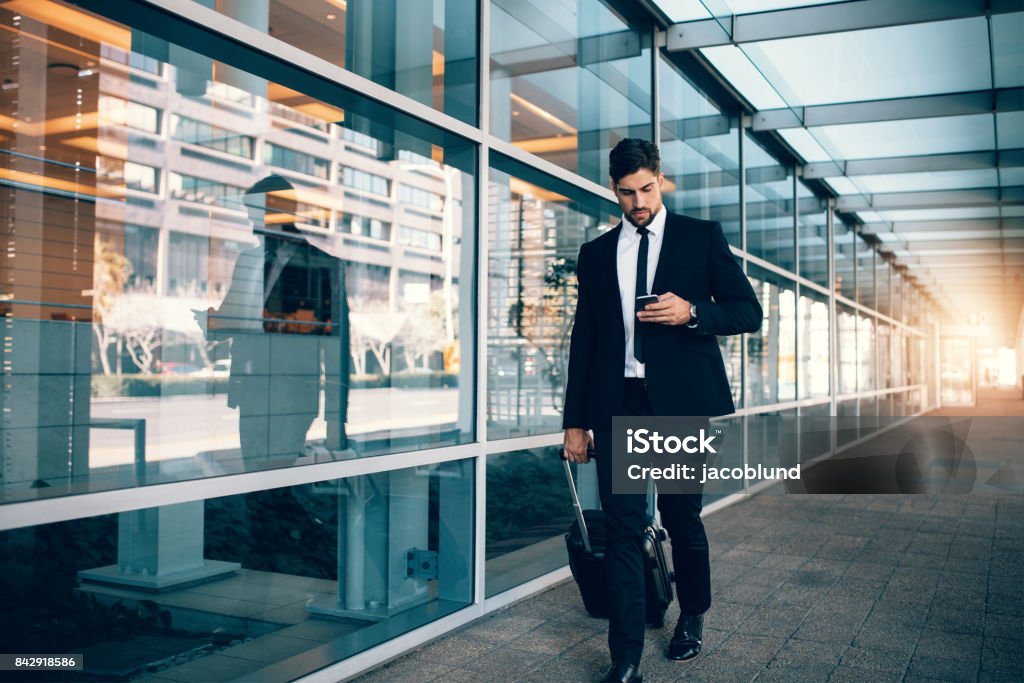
x,y
627,250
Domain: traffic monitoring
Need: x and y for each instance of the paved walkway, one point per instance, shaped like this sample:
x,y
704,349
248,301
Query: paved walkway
x,y
807,588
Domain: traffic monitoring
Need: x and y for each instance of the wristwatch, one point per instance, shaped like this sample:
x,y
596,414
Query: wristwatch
x,y
693,316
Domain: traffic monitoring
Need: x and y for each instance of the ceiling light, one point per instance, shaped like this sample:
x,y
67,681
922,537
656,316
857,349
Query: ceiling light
x,y
332,17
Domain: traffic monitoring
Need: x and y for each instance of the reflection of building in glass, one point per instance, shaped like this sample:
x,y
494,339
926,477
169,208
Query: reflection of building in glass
x,y
535,236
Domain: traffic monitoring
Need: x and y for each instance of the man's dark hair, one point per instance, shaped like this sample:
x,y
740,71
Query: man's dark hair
x,y
632,154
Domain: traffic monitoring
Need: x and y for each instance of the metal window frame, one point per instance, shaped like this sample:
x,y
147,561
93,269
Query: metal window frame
x,y
831,18
895,109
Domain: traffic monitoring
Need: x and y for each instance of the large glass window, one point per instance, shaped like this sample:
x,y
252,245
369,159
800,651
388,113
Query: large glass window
x,y
845,260
865,273
813,343
294,160
883,286
569,80
866,352
129,114
770,202
281,339
362,180
846,348
886,378
423,50
205,134
528,513
699,154
365,226
204,191
812,233
217,589
537,225
896,296
771,351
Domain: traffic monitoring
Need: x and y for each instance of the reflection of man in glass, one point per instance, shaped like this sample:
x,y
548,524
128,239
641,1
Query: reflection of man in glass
x,y
639,347
286,314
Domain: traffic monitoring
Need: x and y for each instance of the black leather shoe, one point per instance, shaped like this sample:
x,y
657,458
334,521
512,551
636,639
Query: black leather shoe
x,y
623,672
685,643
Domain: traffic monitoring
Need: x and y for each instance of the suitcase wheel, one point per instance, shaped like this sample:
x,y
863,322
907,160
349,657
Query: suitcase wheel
x,y
672,577
658,622
662,535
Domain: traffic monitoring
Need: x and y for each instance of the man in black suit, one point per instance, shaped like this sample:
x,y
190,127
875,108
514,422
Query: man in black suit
x,y
663,360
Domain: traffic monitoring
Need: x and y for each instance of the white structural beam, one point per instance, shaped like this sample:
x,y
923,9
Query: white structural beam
x,y
961,161
982,196
972,225
830,18
896,109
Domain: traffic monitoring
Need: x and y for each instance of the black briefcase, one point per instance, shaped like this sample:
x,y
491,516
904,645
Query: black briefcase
x,y
586,542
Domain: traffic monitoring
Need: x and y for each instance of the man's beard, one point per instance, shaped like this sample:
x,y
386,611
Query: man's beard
x,y
650,218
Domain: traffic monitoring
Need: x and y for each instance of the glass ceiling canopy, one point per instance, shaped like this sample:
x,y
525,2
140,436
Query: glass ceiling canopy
x,y
881,99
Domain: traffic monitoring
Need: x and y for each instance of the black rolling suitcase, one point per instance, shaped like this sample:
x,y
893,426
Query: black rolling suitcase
x,y
585,542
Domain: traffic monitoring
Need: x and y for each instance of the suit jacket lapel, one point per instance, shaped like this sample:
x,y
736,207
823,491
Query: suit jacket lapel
x,y
612,265
666,256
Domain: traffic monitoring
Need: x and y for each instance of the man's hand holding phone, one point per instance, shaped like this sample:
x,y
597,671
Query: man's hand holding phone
x,y
666,309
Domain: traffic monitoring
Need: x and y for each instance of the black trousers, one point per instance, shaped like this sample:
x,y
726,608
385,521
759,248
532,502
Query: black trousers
x,y
626,518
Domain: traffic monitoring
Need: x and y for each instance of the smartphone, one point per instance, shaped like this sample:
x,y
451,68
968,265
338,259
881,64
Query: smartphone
x,y
642,301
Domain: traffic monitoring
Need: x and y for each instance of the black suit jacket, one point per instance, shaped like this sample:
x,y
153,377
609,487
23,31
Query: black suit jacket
x,y
684,367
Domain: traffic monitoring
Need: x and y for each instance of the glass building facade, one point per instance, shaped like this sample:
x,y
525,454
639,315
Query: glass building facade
x,y
287,294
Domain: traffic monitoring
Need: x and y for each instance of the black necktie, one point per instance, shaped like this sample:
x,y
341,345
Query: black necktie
x,y
641,290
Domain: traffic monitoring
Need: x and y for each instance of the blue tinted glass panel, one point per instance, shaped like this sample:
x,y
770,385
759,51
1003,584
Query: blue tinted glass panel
x,y
423,50
272,584
536,229
568,81
200,304
699,155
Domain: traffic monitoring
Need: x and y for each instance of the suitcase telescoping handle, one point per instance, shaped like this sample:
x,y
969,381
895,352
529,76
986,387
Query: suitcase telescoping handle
x,y
584,534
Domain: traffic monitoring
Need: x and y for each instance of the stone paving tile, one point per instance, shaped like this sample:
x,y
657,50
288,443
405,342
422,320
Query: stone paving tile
x,y
557,669
553,638
944,668
876,659
1005,603
773,619
452,676
998,677
753,650
969,621
852,674
725,615
999,655
967,648
855,585
883,634
456,649
500,662
788,673
1004,626
408,669
782,561
502,627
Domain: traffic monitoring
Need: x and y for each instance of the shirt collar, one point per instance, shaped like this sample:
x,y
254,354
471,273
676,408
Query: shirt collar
x,y
656,227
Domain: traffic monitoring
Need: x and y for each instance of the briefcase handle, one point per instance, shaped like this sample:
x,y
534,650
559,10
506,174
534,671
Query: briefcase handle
x,y
577,508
